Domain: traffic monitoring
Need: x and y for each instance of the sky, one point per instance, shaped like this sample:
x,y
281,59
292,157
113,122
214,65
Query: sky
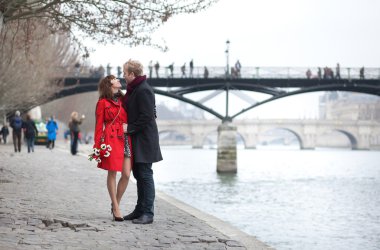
x,y
270,33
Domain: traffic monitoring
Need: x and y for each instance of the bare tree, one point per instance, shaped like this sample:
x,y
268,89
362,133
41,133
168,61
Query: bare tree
x,y
129,21
34,41
29,78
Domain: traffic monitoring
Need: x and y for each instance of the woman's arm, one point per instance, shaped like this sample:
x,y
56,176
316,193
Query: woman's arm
x,y
99,122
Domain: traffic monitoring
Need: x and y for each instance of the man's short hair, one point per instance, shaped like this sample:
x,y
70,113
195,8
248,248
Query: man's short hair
x,y
134,66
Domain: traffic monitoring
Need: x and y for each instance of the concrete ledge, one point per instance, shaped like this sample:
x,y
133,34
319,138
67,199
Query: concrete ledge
x,y
250,242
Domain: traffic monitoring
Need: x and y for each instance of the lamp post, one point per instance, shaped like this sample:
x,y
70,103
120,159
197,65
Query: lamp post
x,y
226,119
228,58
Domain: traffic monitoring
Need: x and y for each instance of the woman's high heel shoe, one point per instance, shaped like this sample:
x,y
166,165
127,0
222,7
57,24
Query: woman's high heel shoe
x,y
114,217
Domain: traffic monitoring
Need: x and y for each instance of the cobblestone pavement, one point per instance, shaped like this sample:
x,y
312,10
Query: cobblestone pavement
x,y
53,200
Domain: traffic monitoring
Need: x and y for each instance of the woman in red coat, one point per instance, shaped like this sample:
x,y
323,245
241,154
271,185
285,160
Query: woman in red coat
x,y
110,117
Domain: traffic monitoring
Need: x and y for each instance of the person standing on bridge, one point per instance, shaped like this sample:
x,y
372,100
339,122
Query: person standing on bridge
x,y
191,64
171,69
337,71
308,74
118,71
205,72
238,69
361,73
157,68
139,103
110,118
150,67
183,70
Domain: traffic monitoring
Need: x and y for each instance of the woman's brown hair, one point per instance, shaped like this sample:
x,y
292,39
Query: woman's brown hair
x,y
104,88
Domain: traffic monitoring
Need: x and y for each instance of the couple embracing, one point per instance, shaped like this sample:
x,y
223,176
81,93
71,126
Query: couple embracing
x,y
128,124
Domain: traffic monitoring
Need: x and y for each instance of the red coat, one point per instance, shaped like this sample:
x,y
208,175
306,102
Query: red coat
x,y
106,111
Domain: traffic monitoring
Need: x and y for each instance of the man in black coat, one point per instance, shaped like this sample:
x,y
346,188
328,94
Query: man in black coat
x,y
139,103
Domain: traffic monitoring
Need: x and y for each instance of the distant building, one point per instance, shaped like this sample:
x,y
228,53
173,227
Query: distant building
x,y
349,106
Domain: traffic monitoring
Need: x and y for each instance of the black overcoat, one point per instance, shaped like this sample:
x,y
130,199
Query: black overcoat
x,y
142,126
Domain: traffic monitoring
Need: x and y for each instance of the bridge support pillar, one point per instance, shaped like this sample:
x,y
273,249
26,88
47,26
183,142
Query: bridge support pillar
x,y
227,152
309,137
197,140
364,138
251,138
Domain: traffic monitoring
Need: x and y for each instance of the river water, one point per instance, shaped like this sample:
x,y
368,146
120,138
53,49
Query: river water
x,y
289,199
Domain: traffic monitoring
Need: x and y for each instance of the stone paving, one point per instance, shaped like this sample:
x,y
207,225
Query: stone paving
x,y
53,200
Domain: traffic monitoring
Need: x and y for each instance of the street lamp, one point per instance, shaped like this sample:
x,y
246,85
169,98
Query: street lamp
x,y
227,57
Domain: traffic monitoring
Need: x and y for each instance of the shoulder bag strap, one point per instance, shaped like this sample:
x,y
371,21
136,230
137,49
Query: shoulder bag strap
x,y
102,137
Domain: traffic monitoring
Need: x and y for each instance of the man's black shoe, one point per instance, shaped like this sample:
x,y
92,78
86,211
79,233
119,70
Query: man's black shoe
x,y
143,219
132,216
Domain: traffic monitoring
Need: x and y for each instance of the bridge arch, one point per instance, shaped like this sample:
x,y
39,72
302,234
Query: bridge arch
x,y
210,139
352,138
174,137
295,133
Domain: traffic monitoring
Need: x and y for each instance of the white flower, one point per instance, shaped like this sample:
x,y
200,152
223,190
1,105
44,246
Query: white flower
x,y
98,160
109,148
103,146
96,151
106,154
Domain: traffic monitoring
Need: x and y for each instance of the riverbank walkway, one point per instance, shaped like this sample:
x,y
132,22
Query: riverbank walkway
x,y
53,200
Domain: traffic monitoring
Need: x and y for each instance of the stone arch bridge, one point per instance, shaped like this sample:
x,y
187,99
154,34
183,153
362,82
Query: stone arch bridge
x,y
362,135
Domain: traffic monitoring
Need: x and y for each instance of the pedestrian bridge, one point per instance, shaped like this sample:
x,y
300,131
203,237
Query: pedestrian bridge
x,y
362,135
276,83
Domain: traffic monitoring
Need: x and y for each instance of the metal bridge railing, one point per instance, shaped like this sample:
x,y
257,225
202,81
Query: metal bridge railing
x,y
220,72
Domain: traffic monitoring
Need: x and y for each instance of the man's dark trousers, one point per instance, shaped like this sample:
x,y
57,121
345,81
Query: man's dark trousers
x,y
145,188
17,140
74,143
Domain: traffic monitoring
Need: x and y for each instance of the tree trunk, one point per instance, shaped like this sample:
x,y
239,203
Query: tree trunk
x,y
1,21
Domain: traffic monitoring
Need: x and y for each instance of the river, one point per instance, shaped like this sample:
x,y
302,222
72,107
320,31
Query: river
x,y
287,198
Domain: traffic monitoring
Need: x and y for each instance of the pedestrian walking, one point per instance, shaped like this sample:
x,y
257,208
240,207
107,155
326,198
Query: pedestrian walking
x,y
337,73
319,73
77,69
238,69
30,132
109,69
66,135
361,73
205,72
191,65
74,123
308,73
119,71
110,117
100,71
150,67
17,125
171,68
5,132
183,70
139,103
157,68
52,128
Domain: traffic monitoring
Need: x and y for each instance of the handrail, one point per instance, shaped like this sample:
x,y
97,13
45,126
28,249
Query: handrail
x,y
220,72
